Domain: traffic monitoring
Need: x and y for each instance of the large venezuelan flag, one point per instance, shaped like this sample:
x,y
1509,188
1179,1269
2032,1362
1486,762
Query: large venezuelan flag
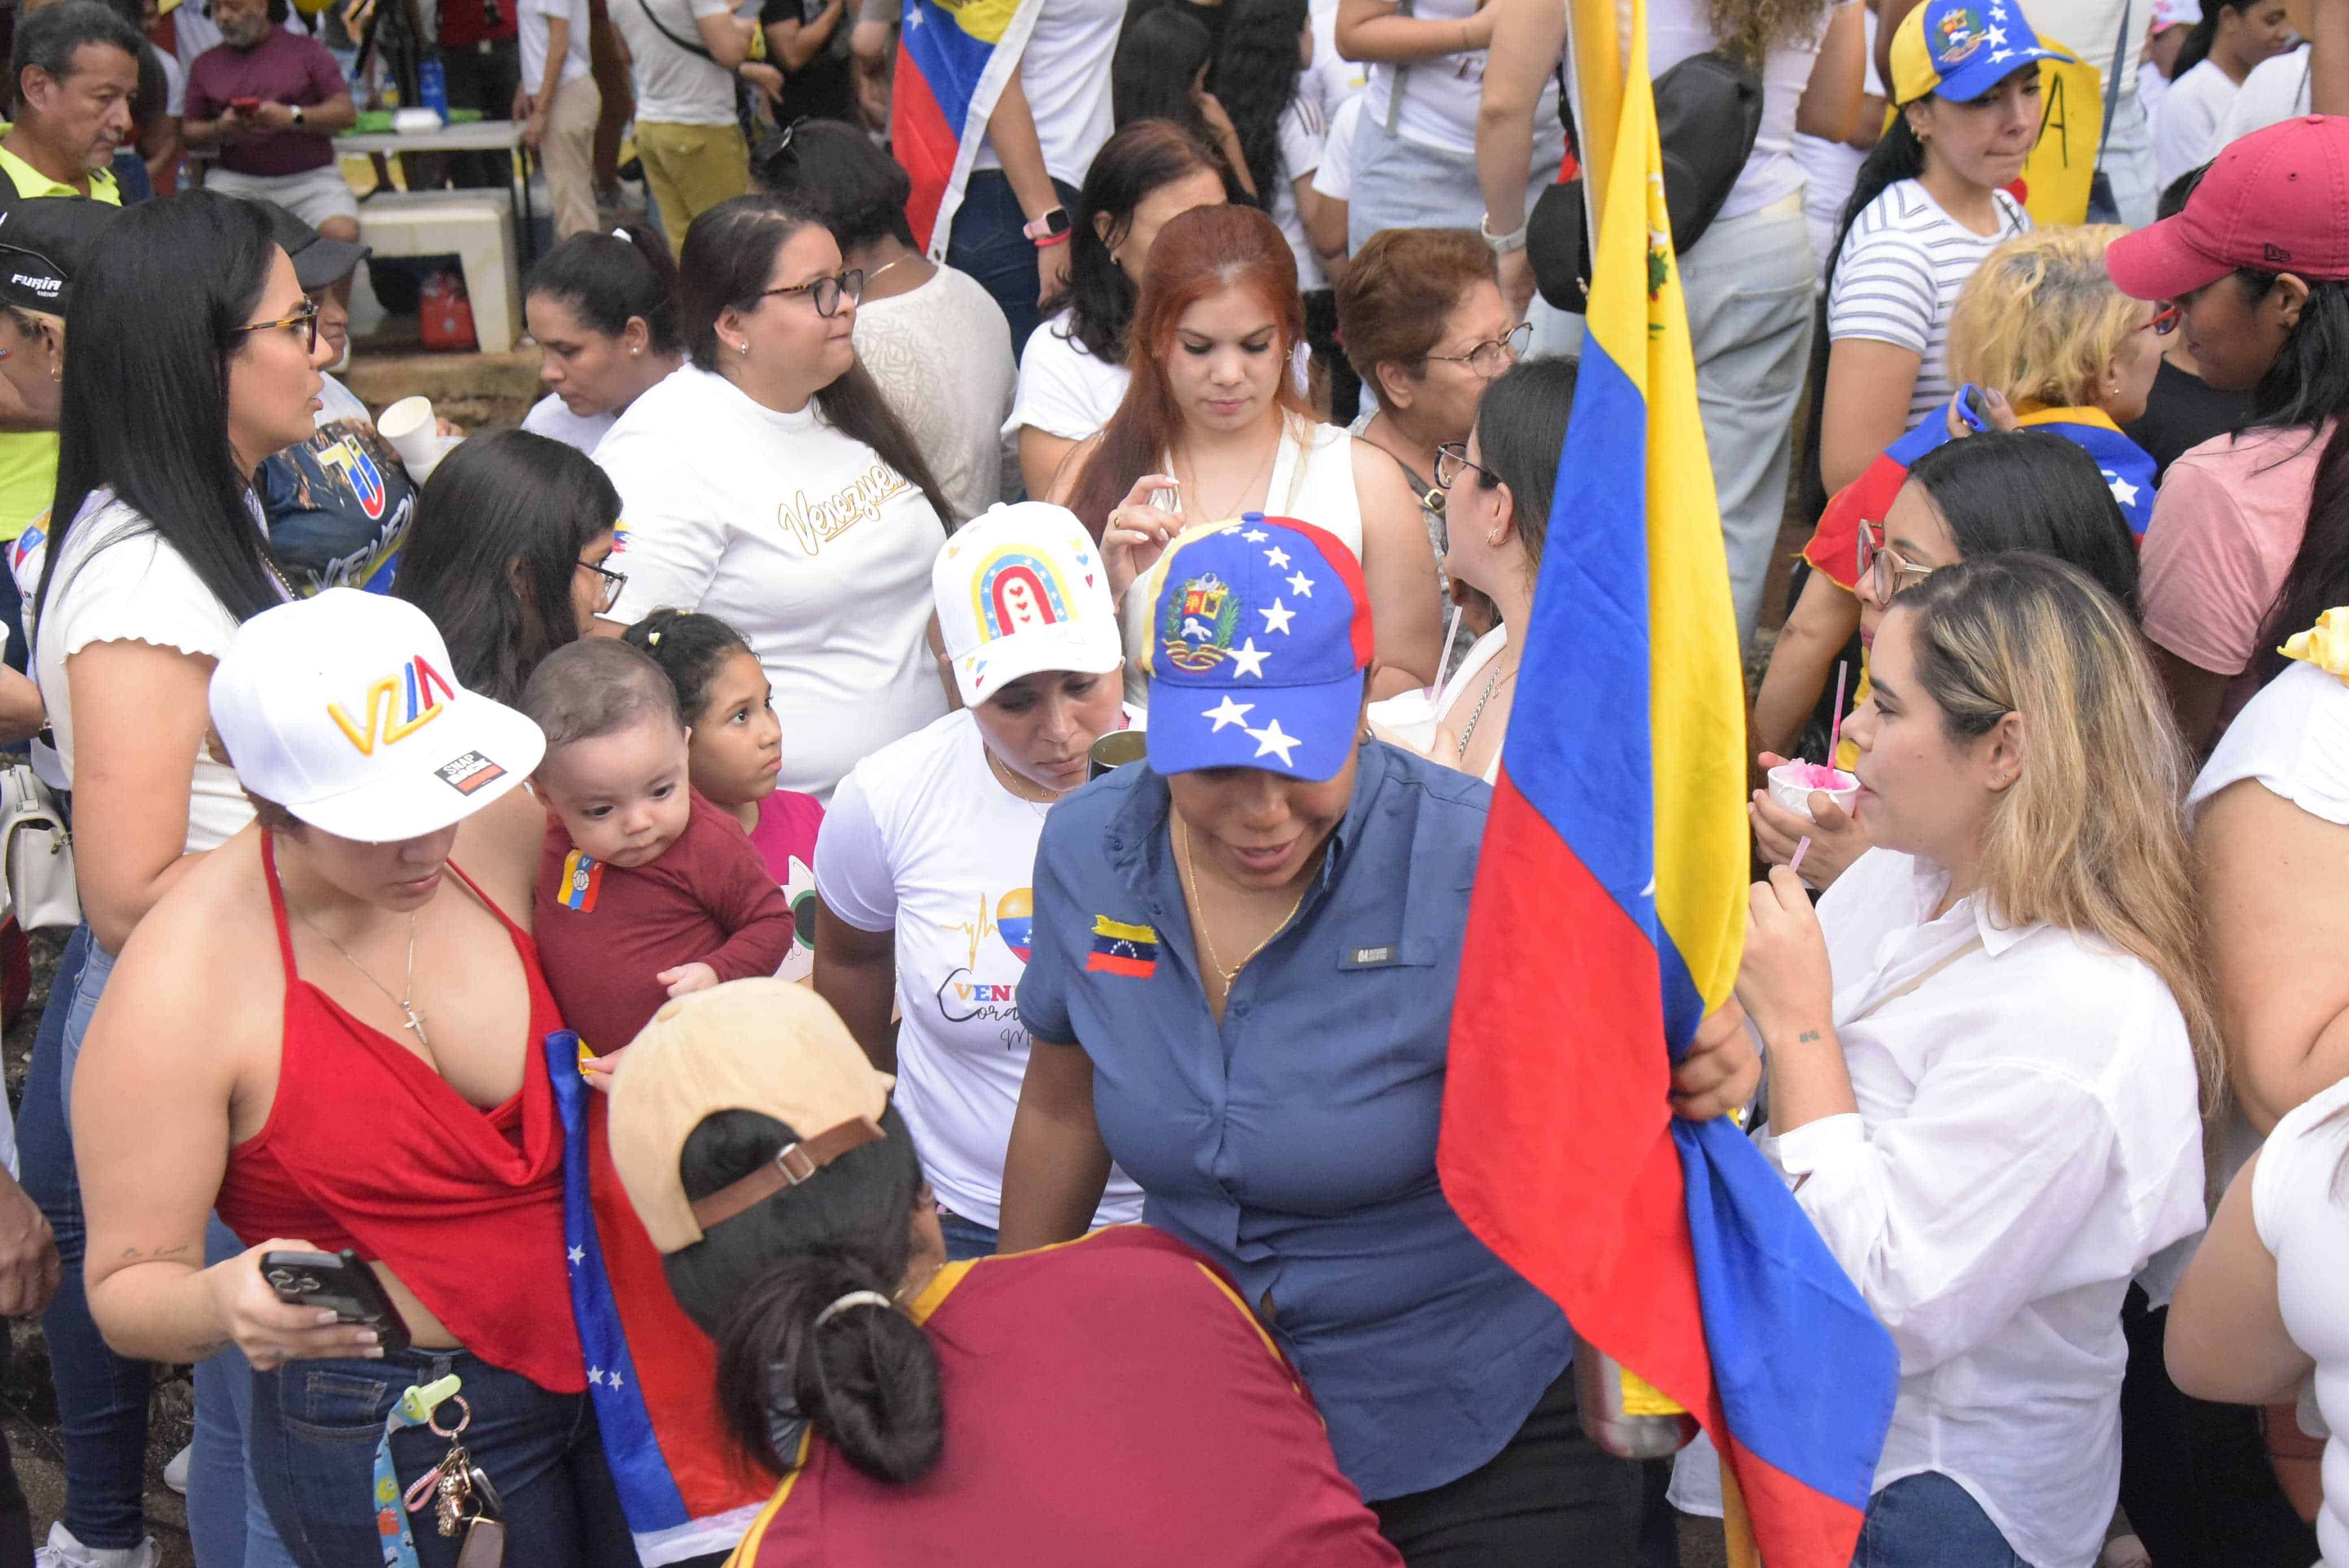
x,y
952,63
1610,911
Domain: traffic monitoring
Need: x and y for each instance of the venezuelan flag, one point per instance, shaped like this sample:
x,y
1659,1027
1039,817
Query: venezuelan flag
x,y
1120,948
583,879
952,63
1609,913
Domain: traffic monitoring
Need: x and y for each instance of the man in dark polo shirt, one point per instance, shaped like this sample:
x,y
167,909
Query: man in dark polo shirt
x,y
266,104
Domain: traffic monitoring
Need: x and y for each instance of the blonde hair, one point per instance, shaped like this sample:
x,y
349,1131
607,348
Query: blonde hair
x,y
2040,319
2027,634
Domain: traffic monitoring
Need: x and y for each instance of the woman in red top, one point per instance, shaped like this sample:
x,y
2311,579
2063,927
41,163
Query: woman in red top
x,y
1107,1401
331,1030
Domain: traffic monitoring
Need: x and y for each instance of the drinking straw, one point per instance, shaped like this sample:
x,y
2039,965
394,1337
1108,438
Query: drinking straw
x,y
1801,848
1443,661
1835,730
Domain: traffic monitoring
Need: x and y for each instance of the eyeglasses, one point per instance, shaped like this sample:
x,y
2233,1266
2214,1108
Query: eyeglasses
x,y
613,582
1452,461
826,293
1893,572
1495,354
2164,320
304,323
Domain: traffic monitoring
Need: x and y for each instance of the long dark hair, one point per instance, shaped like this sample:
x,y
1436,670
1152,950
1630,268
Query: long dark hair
x,y
2197,47
1160,53
1143,157
867,1380
505,500
1521,421
729,253
1255,80
833,170
2033,490
2307,386
156,317
607,279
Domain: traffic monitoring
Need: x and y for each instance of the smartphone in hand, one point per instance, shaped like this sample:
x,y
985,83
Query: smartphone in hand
x,y
340,1281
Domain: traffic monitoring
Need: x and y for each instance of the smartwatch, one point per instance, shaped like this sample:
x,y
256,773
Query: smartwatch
x,y
1049,229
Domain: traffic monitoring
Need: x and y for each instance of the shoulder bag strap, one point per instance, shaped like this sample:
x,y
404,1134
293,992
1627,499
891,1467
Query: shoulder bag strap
x,y
2111,81
1402,72
646,7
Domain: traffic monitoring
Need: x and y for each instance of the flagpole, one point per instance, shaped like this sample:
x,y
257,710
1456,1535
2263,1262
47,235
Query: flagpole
x,y
1735,1524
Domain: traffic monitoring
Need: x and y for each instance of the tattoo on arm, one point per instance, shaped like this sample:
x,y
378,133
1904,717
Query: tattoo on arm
x,y
1807,1037
155,1254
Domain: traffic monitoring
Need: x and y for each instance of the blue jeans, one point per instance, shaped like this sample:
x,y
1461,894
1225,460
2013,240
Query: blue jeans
x,y
987,244
1930,1522
315,1425
965,1238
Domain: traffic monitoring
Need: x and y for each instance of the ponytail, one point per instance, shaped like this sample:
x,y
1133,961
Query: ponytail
x,y
863,1377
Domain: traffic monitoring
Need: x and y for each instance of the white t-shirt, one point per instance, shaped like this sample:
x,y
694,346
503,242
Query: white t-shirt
x,y
552,418
1064,390
1335,178
2092,30
1064,71
798,537
2187,124
175,84
674,85
337,401
2293,738
943,363
117,581
1903,263
1302,131
1830,168
1679,28
533,17
2301,1216
2275,91
1440,96
922,839
2027,1138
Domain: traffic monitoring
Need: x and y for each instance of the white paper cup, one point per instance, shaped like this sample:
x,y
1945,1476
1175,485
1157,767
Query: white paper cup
x,y
1792,791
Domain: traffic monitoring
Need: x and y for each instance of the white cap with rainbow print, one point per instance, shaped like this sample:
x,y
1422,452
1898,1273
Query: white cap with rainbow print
x,y
1019,589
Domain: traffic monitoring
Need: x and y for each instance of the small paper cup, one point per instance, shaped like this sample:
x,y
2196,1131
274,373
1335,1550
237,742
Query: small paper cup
x,y
1791,788
414,434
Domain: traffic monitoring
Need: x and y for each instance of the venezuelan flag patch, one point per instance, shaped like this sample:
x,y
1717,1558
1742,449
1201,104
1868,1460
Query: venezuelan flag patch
x,y
583,877
1122,949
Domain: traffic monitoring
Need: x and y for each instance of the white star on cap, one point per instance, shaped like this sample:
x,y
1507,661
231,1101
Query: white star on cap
x,y
1276,556
1996,35
1228,712
2000,54
1277,619
1249,659
1256,536
2123,491
1270,739
1301,584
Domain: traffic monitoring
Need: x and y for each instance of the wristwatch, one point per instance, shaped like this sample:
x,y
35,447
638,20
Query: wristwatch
x,y
1049,229
296,110
1501,244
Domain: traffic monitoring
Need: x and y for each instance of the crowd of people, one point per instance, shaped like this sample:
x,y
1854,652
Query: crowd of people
x,y
854,929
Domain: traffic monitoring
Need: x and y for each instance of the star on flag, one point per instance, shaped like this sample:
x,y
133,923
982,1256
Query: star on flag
x,y
1271,738
1277,619
1228,712
2123,491
1248,660
578,1256
595,1375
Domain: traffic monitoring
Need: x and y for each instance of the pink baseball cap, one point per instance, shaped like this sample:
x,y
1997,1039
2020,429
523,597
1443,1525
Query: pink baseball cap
x,y
2277,199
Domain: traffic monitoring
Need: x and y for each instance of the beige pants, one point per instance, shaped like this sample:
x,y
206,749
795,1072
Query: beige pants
x,y
568,155
689,168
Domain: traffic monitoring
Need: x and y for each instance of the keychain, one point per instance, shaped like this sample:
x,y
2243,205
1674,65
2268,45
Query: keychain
x,y
465,1501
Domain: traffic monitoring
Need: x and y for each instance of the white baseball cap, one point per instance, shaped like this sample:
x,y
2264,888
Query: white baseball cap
x,y
342,709
1019,589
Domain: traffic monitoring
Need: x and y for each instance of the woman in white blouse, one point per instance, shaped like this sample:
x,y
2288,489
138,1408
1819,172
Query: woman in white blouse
x,y
766,484
1987,1049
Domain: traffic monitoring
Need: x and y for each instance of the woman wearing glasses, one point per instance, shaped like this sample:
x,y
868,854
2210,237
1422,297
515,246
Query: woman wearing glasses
x,y
1212,427
509,555
194,358
768,484
2027,490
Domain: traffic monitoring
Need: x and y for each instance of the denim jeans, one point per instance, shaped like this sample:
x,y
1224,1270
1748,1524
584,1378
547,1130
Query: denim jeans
x,y
226,1520
966,1238
1930,1522
315,1425
987,244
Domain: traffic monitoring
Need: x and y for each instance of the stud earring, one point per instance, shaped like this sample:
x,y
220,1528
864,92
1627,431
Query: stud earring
x,y
1493,538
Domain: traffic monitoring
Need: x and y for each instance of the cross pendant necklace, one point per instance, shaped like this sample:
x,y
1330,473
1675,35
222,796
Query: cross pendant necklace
x,y
405,1002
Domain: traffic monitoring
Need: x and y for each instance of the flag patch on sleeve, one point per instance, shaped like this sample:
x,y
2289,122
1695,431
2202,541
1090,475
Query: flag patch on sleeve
x,y
1122,949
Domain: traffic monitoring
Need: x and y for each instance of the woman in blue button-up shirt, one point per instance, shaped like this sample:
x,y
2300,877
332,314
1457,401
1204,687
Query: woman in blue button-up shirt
x,y
1241,986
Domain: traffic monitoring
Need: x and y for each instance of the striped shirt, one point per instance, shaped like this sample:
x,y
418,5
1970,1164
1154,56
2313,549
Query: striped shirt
x,y
1902,265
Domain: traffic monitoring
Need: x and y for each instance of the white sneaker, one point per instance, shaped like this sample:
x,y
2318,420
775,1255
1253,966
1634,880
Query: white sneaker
x,y
175,1474
2124,1551
64,1552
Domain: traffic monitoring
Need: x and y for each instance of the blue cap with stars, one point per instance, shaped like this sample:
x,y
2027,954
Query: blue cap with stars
x,y
1259,632
1960,50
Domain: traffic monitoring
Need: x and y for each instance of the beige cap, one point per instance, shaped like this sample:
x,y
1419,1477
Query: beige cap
x,y
762,1045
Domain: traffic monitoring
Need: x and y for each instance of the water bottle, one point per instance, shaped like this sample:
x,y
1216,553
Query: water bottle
x,y
433,89
1623,1412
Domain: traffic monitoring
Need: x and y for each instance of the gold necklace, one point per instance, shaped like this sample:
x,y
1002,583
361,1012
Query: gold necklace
x,y
1206,937
1209,514
1012,781
405,1001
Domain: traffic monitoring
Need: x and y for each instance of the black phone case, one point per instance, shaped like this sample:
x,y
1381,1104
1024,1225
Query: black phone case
x,y
340,1281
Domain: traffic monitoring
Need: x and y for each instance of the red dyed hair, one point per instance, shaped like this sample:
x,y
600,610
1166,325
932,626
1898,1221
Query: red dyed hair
x,y
1195,256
